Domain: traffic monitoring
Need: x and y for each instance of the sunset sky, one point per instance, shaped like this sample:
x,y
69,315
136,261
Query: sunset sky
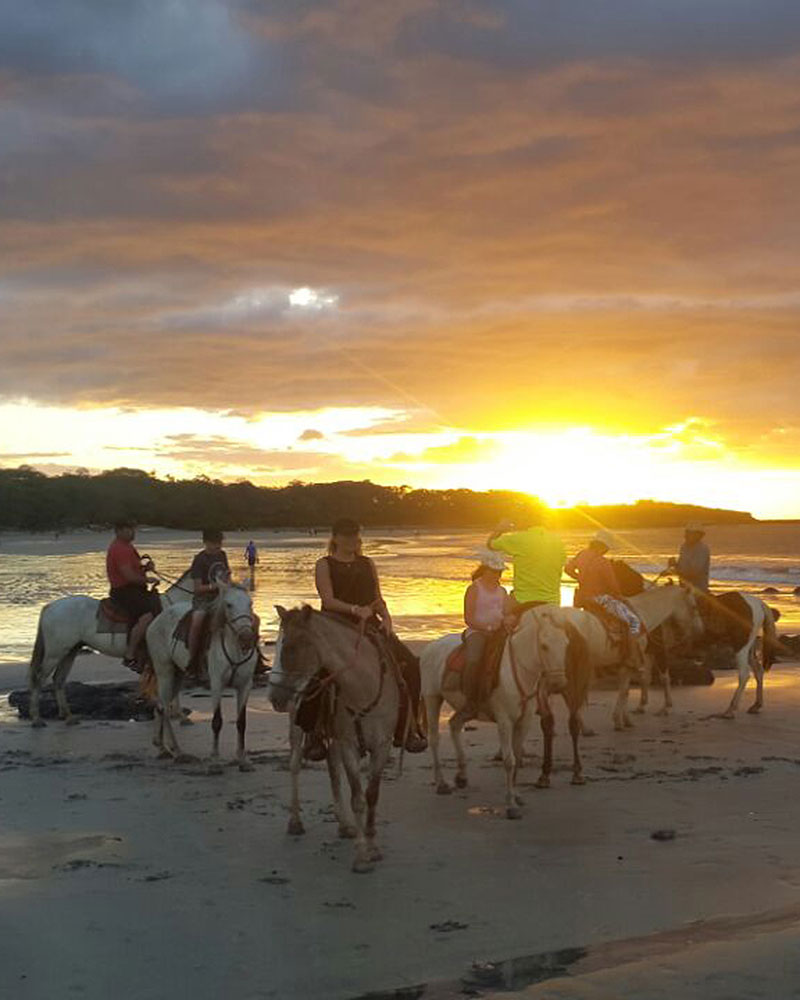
x,y
548,246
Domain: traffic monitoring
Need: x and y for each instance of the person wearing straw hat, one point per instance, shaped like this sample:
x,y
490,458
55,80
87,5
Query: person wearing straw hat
x,y
597,582
484,614
693,564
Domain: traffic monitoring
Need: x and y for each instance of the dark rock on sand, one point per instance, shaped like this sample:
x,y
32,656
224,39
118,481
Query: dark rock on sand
x,y
92,701
791,647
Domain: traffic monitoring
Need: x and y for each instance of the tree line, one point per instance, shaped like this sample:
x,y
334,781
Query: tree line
x,y
32,501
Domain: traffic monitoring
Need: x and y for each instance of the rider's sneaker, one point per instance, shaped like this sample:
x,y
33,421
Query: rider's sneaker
x,y
416,743
314,747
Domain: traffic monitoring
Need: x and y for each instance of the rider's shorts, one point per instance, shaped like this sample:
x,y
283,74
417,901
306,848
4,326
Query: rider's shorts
x,y
136,600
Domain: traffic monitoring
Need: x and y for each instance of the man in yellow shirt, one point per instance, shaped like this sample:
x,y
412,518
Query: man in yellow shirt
x,y
538,557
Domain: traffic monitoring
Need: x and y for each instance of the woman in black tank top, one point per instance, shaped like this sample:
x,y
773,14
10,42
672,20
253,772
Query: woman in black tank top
x,y
347,583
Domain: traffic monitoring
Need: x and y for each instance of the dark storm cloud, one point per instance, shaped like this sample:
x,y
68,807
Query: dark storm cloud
x,y
508,201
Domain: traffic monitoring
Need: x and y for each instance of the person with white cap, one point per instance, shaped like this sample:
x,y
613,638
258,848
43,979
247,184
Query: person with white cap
x,y
484,613
693,564
597,582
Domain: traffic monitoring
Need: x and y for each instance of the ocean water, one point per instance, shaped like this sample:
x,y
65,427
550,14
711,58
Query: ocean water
x,y
423,574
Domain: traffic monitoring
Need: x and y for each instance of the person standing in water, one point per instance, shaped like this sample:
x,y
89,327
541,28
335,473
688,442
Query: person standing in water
x,y
347,583
251,555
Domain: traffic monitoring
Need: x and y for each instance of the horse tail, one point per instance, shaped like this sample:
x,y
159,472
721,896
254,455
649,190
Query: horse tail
x,y
770,643
579,667
37,656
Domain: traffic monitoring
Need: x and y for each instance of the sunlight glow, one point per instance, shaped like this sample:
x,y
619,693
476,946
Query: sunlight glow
x,y
308,298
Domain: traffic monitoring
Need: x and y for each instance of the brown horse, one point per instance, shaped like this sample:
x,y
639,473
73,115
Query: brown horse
x,y
362,717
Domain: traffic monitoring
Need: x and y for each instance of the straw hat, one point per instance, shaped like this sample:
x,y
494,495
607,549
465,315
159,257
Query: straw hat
x,y
492,560
605,538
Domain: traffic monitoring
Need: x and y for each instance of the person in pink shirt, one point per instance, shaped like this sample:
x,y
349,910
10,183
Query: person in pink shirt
x,y
597,582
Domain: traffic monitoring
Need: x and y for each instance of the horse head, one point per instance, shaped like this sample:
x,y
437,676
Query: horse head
x,y
296,658
234,609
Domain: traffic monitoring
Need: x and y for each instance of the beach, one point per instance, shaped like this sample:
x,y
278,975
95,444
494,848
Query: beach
x,y
129,875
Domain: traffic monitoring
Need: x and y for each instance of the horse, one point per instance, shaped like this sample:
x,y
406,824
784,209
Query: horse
x,y
671,606
539,659
362,690
68,625
740,618
232,657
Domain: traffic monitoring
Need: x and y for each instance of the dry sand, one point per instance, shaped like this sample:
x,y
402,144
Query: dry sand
x,y
122,875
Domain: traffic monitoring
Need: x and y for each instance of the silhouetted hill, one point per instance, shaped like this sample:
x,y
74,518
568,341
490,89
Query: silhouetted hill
x,y
31,501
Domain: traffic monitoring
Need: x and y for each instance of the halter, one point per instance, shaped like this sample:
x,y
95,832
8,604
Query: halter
x,y
229,622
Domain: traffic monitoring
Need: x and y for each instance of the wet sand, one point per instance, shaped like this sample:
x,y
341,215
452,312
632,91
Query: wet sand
x,y
125,875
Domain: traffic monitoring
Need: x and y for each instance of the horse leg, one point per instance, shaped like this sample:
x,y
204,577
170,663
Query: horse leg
x,y
59,680
37,679
166,681
457,721
518,735
505,732
296,827
575,732
645,679
242,696
433,706
547,721
743,667
362,862
214,766
347,827
378,761
758,670
620,714
666,684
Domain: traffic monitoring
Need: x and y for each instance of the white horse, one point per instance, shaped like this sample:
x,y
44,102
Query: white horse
x,y
539,658
364,693
66,626
670,607
232,659
746,619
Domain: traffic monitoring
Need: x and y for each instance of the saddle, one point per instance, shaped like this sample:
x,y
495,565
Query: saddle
x,y
111,619
453,681
616,630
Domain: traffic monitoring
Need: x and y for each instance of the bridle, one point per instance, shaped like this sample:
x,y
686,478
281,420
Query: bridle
x,y
229,623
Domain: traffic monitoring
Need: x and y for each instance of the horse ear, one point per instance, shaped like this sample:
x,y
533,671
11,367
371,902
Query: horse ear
x,y
282,612
306,612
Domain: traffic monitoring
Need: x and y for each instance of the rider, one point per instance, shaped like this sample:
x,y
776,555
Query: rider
x,y
128,580
209,569
538,557
347,583
694,559
484,613
597,582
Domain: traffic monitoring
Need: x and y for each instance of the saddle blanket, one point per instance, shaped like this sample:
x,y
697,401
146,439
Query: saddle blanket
x,y
111,619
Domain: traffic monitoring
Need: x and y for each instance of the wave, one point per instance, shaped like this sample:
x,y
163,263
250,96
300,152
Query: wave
x,y
760,572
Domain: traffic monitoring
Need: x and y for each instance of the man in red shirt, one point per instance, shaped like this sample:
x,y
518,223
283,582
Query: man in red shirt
x,y
127,576
597,583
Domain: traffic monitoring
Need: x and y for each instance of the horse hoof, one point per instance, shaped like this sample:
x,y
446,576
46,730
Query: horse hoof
x,y
215,767
186,721
460,781
542,782
375,854
164,754
727,715
443,788
348,832
296,828
38,724
578,779
246,765
361,867
513,812
754,710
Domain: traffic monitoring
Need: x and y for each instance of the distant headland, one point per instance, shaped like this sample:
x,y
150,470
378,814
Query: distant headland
x,y
32,501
